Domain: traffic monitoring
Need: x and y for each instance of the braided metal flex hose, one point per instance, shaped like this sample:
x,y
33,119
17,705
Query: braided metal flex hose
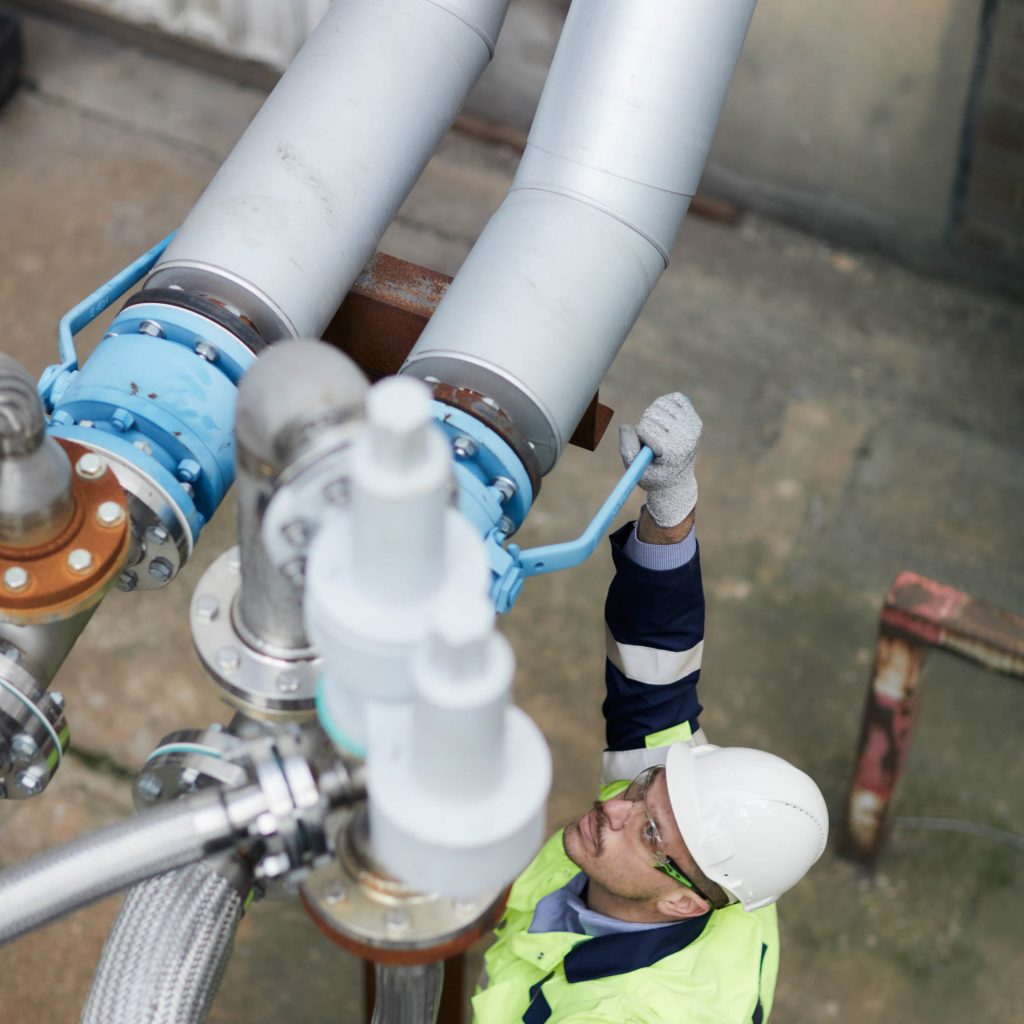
x,y
113,858
167,951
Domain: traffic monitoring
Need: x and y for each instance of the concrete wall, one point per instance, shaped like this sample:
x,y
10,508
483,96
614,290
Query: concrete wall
x,y
843,116
854,109
993,209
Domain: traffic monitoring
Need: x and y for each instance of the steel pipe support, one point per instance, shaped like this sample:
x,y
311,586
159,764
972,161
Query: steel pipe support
x,y
297,209
553,286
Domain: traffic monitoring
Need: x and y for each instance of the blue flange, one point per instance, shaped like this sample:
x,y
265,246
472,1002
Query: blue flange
x,y
495,494
494,489
159,393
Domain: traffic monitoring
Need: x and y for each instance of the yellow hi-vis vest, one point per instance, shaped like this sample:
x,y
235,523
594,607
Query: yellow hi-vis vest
x,y
716,969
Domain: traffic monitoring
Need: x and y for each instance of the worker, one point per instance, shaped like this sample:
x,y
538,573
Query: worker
x,y
658,904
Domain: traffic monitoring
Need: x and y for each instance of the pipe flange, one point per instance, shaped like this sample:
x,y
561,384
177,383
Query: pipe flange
x,y
380,919
187,760
227,290
257,682
215,310
161,541
33,731
492,416
303,495
72,572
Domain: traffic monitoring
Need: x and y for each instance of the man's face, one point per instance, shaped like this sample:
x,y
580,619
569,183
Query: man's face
x,y
609,843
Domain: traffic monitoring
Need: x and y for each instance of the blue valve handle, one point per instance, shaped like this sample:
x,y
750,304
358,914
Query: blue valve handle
x,y
553,557
90,307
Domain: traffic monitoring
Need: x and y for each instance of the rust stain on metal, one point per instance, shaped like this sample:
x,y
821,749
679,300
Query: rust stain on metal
x,y
384,314
494,418
942,616
886,733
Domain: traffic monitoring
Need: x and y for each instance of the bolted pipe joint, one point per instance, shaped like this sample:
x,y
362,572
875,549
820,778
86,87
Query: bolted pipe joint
x,y
35,476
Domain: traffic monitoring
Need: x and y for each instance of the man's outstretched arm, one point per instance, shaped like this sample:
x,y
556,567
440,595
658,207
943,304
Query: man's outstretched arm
x,y
655,607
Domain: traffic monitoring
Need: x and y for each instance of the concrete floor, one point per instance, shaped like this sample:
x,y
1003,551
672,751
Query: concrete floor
x,y
859,420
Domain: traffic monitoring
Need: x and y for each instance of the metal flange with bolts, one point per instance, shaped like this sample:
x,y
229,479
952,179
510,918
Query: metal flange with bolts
x,y
368,912
33,731
300,776
257,680
71,572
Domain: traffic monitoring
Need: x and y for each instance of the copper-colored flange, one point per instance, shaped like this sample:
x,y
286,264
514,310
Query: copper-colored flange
x,y
73,571
397,956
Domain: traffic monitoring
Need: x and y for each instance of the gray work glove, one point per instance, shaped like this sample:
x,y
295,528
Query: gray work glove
x,y
671,428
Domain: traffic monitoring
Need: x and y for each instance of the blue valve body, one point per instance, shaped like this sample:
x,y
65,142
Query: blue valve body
x,y
159,392
160,403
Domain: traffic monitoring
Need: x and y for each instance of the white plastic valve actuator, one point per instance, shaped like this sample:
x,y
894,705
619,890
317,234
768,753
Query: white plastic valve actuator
x,y
376,567
459,786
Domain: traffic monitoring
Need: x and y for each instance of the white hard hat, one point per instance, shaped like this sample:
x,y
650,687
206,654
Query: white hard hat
x,y
752,822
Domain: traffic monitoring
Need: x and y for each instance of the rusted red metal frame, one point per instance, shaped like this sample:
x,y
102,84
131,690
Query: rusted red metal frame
x,y
384,313
919,614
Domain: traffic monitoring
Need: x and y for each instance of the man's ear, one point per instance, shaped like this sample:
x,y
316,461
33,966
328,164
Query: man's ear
x,y
682,904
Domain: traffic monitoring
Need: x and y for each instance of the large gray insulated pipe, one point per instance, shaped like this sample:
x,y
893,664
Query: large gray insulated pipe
x,y
546,298
297,209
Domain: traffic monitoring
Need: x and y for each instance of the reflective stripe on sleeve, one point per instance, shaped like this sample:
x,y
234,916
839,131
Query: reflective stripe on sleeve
x,y
651,666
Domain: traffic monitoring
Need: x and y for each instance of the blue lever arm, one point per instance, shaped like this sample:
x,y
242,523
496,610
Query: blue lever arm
x,y
553,557
89,308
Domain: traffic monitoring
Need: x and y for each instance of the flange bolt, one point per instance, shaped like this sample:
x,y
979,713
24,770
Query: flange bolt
x,y
122,420
23,747
127,581
152,328
161,570
80,560
90,466
464,447
110,513
149,787
16,579
29,782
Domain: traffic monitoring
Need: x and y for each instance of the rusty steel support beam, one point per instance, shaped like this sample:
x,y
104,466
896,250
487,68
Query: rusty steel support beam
x,y
384,313
919,614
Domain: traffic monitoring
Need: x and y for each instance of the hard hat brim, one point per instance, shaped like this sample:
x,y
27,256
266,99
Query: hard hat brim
x,y
684,796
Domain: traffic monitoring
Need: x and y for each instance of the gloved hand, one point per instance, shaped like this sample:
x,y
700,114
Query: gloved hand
x,y
671,428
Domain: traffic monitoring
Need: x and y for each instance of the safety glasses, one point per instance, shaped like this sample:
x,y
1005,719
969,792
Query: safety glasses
x,y
636,793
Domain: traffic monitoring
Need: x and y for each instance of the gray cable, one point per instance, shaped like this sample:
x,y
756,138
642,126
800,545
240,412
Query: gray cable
x,y
973,828
80,872
167,952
